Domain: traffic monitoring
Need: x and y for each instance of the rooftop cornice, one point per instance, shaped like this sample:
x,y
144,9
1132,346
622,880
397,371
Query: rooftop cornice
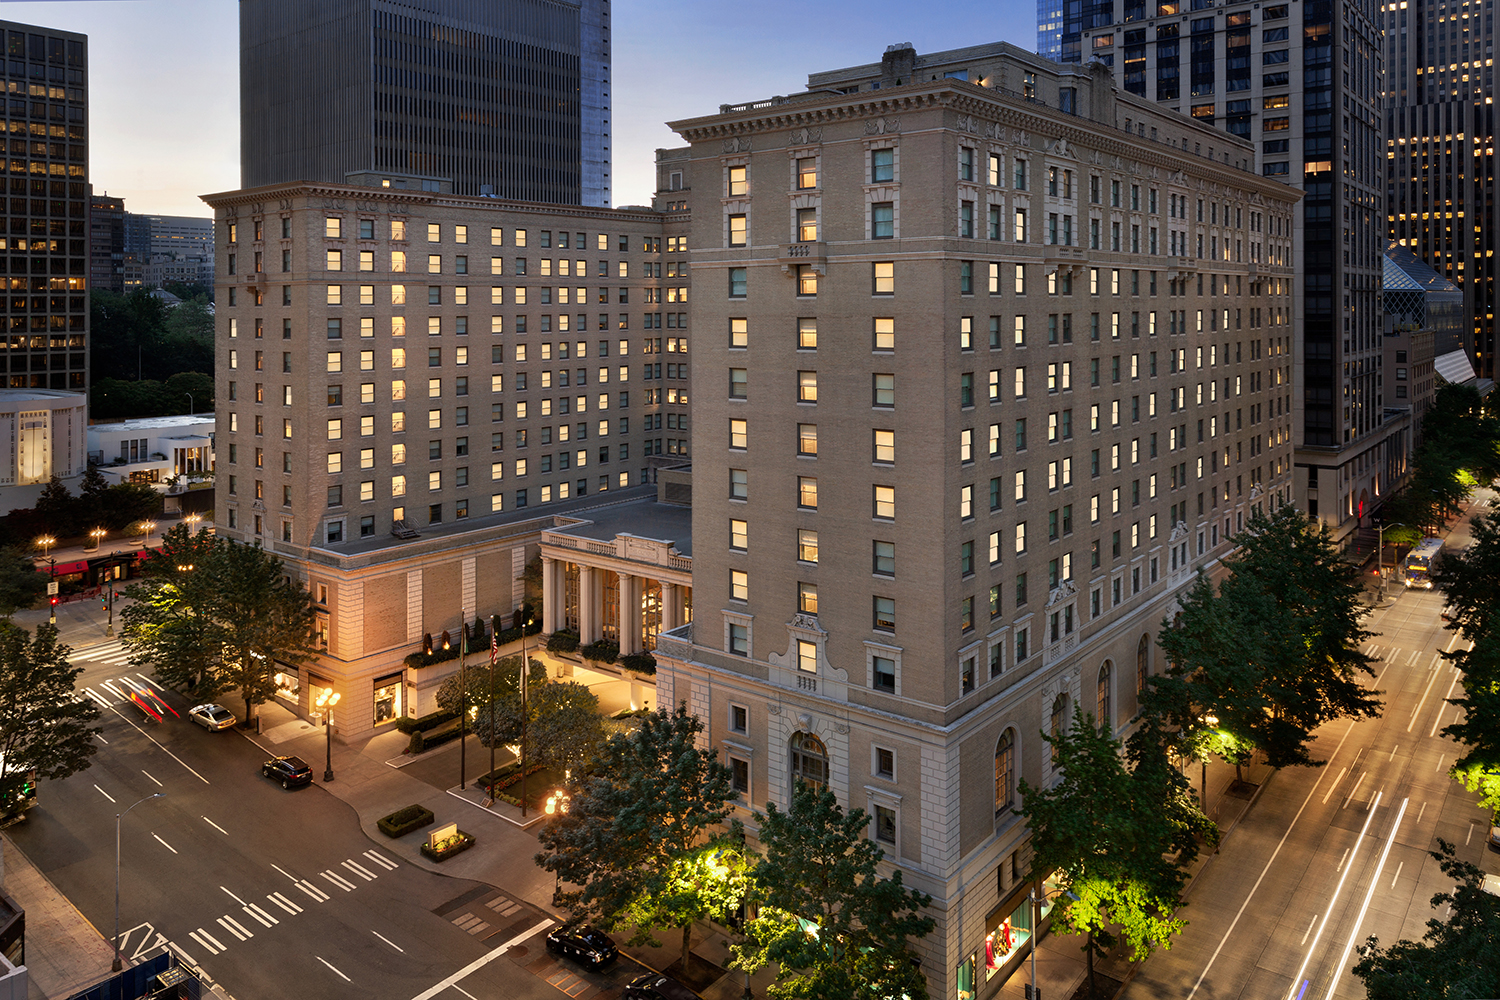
x,y
271,196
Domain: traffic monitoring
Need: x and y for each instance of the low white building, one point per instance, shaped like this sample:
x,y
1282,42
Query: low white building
x,y
42,434
173,454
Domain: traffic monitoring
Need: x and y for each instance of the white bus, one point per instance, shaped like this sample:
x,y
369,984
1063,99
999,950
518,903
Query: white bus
x,y
1416,570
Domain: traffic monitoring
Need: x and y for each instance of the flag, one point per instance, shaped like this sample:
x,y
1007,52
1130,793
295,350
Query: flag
x,y
494,647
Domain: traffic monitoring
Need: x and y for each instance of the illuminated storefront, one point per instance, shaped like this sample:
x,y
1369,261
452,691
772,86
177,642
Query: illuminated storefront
x,y
1007,939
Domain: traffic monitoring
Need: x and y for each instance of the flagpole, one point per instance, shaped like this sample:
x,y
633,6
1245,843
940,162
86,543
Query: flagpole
x,y
521,757
463,698
494,653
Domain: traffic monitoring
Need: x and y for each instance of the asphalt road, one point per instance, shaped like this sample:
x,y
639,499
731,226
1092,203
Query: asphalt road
x,y
1326,857
272,892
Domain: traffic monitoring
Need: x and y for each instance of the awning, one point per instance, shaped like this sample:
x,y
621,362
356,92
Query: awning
x,y
72,567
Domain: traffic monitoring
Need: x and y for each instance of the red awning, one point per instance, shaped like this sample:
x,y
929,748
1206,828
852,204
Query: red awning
x,y
72,567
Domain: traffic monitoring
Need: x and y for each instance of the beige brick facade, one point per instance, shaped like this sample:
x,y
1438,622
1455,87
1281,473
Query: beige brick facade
x,y
954,460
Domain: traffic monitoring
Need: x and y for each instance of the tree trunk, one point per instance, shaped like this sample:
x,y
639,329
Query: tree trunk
x,y
1093,989
687,955
1239,775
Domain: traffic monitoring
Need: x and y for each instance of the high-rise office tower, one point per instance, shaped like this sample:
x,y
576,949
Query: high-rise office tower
x,y
506,99
107,243
970,410
1302,82
1440,146
46,261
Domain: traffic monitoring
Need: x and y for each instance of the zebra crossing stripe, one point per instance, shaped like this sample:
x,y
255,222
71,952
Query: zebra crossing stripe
x,y
338,881
381,860
361,871
152,683
208,941
284,903
236,928
189,959
266,920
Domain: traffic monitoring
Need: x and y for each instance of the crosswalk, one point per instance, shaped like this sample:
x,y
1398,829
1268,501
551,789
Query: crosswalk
x,y
117,690
113,652
242,925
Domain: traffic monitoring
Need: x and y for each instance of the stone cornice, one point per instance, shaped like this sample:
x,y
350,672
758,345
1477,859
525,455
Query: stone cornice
x,y
275,197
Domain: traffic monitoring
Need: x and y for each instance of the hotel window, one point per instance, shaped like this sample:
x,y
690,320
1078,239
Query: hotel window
x,y
882,220
883,278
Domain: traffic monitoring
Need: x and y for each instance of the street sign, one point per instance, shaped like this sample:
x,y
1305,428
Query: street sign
x,y
51,587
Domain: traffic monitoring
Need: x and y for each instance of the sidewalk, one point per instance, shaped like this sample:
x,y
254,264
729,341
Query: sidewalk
x,y
64,952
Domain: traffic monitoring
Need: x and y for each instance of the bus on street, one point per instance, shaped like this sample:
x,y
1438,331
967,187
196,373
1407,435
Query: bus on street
x,y
1416,570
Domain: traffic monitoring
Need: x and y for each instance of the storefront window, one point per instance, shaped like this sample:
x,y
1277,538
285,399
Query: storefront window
x,y
965,979
288,684
387,698
1011,932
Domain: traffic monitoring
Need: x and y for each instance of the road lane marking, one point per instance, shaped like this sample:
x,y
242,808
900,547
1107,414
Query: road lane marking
x,y
209,943
185,956
110,687
1397,875
484,960
165,844
158,743
1331,903
1372,801
285,872
1443,707
1338,966
1334,785
340,882
1421,811
381,860
1441,757
335,969
259,913
152,683
101,739
1470,835
1437,661
1425,691
1413,657
234,927
95,695
152,777
131,684
284,903
1340,865
1451,641
1235,922
1350,797
104,793
389,942
465,992
215,826
363,873
1393,753
234,897
318,895
1305,933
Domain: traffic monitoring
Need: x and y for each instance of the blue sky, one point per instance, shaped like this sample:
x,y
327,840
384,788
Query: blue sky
x,y
165,75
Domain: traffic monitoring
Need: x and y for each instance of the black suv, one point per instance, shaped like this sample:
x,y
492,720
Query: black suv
x,y
655,986
290,771
585,944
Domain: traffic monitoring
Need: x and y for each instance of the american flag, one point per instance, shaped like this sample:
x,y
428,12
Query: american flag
x,y
494,647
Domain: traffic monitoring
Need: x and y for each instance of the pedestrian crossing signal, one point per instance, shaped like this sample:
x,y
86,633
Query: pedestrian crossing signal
x,y
53,600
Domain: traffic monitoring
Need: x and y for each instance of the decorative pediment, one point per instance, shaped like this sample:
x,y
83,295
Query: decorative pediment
x,y
804,136
738,144
966,123
1060,147
1063,592
882,126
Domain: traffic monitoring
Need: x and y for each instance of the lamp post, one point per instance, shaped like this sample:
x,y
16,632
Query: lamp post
x,y
463,698
1212,721
118,964
190,402
490,706
192,519
146,527
1036,932
521,757
109,629
46,542
325,703
1380,554
97,535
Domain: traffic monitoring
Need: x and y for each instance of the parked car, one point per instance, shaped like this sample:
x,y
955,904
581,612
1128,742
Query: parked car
x,y
212,716
584,944
655,986
1494,841
290,771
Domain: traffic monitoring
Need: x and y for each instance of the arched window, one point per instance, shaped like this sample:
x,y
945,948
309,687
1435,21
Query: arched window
x,y
1105,717
1005,773
1142,663
1059,720
809,760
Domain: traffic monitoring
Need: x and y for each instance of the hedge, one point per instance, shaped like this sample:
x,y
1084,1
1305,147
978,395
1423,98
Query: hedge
x,y
603,651
562,642
641,663
422,723
404,821
421,659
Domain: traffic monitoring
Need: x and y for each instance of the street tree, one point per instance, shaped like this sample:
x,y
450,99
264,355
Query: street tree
x,y
1457,958
563,730
20,583
1115,839
45,727
171,624
1275,653
834,926
648,808
1467,580
57,509
263,616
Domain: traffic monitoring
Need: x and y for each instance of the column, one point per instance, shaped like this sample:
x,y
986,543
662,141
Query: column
x,y
630,613
549,595
588,606
671,606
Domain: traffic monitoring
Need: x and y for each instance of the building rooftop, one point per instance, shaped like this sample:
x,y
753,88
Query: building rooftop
x,y
644,517
1405,270
179,422
27,395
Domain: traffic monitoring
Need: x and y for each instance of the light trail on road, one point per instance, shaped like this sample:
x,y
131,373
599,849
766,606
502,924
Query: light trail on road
x,y
1338,967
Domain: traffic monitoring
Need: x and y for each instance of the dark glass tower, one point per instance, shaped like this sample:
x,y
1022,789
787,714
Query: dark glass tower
x,y
509,99
45,264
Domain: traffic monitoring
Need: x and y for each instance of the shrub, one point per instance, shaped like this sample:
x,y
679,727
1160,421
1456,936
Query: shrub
x,y
432,720
562,642
427,659
449,846
603,651
417,743
404,821
641,663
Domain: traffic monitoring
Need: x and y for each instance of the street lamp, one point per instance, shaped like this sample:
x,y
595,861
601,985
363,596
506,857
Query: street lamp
x,y
1211,721
97,535
118,964
325,703
46,542
145,528
525,670
1380,554
190,402
1036,929
192,519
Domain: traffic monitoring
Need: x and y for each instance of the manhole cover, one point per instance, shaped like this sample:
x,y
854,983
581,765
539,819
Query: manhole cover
x,y
519,951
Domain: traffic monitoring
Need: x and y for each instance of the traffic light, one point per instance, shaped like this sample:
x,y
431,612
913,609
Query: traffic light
x,y
104,602
53,600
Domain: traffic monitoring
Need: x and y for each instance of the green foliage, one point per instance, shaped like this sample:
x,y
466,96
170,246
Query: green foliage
x,y
833,925
1117,839
641,663
1276,652
564,730
602,651
1460,443
236,605
632,830
1467,579
562,642
20,583
137,337
1456,960
44,726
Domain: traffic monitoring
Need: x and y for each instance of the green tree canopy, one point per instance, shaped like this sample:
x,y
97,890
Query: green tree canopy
x,y
44,726
1457,959
631,833
832,923
1276,652
20,583
1468,580
171,626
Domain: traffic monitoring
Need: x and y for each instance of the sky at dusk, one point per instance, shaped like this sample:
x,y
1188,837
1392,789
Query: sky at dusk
x,y
164,83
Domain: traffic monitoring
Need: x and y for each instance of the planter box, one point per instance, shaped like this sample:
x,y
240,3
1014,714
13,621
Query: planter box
x,y
404,821
457,845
